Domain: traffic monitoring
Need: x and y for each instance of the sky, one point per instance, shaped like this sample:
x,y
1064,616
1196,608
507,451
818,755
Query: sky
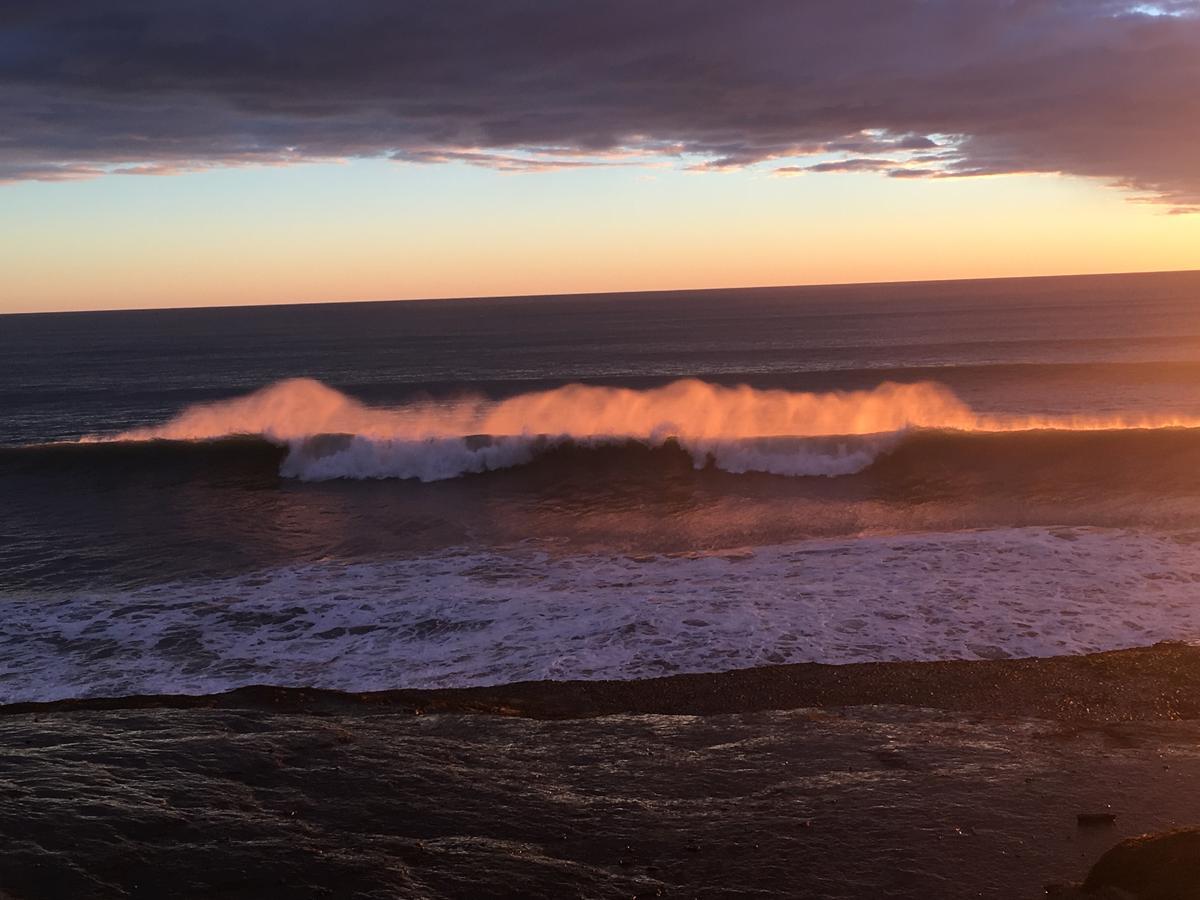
x,y
169,154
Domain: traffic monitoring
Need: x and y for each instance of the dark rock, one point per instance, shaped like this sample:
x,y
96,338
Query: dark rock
x,y
1151,867
1092,819
893,759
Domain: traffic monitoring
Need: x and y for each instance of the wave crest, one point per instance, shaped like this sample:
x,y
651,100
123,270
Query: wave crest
x,y
739,429
691,409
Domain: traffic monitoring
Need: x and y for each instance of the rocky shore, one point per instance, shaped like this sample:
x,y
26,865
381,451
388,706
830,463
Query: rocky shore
x,y
1144,684
1149,867
942,780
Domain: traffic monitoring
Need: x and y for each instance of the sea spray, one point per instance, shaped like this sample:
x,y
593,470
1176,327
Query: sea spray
x,y
691,409
737,429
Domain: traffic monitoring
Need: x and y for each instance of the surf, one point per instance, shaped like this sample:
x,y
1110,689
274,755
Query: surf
x,y
329,435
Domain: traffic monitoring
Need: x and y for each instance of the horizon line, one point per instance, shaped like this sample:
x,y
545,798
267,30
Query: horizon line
x,y
449,298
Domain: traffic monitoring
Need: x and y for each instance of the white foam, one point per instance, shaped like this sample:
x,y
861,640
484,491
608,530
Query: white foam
x,y
430,459
436,459
486,618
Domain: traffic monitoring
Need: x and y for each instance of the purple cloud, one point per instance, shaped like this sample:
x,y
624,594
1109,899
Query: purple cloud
x,y
854,164
1095,88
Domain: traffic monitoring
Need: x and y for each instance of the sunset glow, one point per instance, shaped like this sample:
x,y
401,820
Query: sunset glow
x,y
166,189
374,231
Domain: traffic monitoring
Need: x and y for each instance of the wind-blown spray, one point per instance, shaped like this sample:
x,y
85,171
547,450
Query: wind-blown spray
x,y
738,429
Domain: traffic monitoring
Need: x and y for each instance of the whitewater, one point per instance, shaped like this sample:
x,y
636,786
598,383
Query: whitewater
x,y
468,618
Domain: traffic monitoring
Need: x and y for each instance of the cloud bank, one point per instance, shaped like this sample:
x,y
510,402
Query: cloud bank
x,y
908,88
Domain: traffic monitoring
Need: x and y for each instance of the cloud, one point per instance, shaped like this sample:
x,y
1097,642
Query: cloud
x,y
916,173
533,160
1095,88
854,164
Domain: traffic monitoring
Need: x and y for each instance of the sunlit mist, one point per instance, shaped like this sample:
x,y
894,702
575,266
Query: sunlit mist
x,y
730,426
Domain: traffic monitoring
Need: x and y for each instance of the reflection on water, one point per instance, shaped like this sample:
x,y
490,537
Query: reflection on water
x,y
96,515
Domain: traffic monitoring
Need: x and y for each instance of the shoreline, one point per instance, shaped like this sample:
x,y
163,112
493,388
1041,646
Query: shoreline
x,y
905,780
1156,683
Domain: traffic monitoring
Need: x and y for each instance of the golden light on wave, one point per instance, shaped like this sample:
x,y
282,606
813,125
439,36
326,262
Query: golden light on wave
x,y
689,409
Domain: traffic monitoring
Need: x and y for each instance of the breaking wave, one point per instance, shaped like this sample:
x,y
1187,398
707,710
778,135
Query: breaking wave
x,y
329,435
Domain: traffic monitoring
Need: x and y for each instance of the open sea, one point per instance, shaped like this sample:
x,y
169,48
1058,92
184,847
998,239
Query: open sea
x,y
473,492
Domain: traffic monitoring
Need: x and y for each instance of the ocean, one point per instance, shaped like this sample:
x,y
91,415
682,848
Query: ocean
x,y
452,493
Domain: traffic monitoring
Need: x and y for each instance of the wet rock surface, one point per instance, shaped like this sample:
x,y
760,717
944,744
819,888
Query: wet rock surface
x,y
1142,684
258,803
1150,867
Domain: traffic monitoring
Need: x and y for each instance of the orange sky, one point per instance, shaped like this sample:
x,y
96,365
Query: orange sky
x,y
378,230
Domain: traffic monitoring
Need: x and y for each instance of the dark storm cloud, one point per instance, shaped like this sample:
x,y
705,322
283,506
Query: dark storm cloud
x,y
1087,87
